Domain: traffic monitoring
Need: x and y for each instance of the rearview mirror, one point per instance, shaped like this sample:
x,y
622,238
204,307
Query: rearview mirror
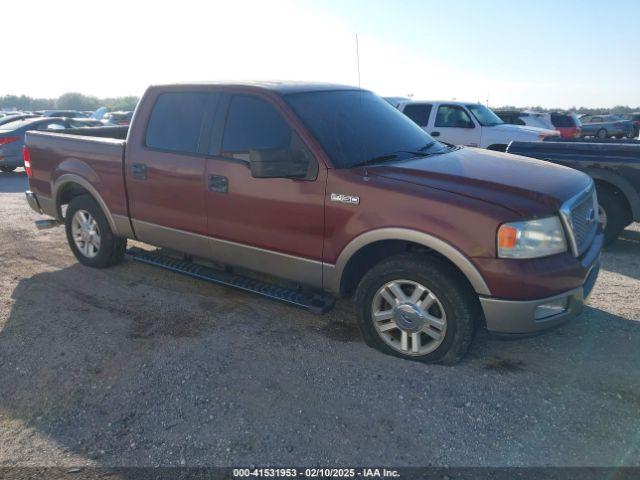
x,y
277,163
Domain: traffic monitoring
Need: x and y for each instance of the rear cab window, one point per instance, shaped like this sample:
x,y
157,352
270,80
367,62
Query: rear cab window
x,y
563,121
418,112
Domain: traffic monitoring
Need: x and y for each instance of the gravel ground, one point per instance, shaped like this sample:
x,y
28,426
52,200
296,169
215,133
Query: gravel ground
x,y
137,366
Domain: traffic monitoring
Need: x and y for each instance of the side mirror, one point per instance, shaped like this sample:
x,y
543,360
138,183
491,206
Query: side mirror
x,y
277,163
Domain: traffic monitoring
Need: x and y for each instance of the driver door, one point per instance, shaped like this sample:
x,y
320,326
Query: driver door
x,y
273,225
454,125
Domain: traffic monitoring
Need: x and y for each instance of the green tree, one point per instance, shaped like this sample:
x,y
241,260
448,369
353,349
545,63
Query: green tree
x,y
77,101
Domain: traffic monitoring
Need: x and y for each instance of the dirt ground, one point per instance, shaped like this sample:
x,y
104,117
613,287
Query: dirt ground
x,y
134,366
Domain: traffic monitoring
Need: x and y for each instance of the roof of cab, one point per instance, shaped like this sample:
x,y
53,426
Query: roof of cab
x,y
281,87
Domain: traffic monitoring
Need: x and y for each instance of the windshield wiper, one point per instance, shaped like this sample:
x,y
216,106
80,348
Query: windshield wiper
x,y
392,156
378,159
427,146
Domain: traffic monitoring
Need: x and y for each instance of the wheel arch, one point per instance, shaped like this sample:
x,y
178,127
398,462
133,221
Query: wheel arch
x,y
70,185
620,184
376,245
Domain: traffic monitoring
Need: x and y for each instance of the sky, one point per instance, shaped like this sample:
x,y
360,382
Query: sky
x,y
552,53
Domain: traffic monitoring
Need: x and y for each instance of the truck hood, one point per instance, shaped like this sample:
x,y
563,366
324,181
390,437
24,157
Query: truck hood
x,y
526,186
508,128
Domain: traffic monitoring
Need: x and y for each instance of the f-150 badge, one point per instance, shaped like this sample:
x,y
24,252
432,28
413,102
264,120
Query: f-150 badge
x,y
339,197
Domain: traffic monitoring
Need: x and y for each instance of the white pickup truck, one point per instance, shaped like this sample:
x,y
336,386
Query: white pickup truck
x,y
466,123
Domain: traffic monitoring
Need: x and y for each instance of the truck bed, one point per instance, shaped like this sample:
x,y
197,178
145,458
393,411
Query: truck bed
x,y
613,164
99,160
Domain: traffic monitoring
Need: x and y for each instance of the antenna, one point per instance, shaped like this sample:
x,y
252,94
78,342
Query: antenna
x,y
358,59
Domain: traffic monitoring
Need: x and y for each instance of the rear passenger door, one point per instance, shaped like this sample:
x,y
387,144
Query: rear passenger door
x,y
454,125
165,172
274,225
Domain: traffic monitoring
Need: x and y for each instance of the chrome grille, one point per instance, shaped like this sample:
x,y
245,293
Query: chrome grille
x,y
580,215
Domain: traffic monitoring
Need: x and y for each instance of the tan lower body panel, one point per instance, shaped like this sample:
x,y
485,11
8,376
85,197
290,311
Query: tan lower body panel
x,y
297,269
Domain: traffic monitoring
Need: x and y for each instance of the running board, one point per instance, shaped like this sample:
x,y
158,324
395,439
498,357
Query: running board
x,y
314,302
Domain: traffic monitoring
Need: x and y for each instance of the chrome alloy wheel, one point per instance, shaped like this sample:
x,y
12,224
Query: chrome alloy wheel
x,y
86,234
409,317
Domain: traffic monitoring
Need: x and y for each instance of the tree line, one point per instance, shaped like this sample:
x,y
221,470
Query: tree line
x,y
79,101
67,101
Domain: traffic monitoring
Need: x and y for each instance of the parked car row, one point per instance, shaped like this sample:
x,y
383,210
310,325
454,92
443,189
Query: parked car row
x,y
571,125
567,124
465,123
101,114
12,134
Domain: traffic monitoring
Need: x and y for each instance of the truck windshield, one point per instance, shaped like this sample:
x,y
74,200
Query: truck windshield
x,y
355,127
484,115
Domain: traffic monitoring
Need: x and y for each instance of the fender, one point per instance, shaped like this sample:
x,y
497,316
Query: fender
x,y
621,184
332,274
119,225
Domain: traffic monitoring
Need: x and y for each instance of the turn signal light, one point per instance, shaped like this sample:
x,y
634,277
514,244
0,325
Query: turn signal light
x,y
27,161
507,236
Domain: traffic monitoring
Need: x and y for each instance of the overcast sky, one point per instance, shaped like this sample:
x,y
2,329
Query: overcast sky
x,y
539,52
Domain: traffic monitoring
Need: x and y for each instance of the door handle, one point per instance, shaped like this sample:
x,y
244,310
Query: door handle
x,y
139,171
435,134
218,183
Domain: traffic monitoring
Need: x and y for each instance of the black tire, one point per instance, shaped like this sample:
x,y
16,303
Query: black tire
x,y
615,211
112,248
459,301
7,169
602,134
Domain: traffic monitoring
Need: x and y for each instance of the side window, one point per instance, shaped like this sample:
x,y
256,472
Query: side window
x,y
253,124
176,121
453,116
257,133
419,113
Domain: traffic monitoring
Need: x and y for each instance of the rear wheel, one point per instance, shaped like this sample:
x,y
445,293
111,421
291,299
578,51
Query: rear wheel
x,y
89,235
7,169
602,133
611,213
417,307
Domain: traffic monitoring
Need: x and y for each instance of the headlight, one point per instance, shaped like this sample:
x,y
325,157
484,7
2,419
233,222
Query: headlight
x,y
531,239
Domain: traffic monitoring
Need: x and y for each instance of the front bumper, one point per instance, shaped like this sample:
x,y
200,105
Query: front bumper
x,y
519,316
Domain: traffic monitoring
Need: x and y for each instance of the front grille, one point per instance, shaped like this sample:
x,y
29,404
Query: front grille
x,y
581,217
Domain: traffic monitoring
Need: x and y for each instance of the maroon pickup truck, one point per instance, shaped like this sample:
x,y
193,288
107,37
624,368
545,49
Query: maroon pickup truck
x,y
307,192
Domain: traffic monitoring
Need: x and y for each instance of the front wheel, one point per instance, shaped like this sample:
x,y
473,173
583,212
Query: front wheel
x,y
89,235
417,307
611,214
602,134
